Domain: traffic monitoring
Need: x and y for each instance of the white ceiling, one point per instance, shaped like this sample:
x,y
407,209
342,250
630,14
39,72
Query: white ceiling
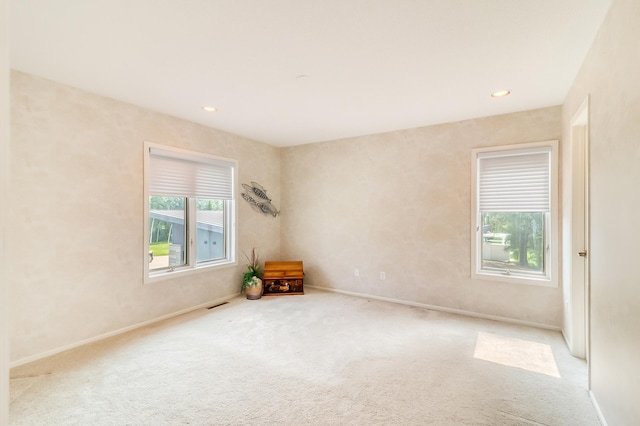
x,y
371,65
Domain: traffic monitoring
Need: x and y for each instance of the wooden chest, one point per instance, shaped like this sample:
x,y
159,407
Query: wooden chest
x,y
281,278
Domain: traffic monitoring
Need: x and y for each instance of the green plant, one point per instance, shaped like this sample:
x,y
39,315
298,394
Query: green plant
x,y
253,270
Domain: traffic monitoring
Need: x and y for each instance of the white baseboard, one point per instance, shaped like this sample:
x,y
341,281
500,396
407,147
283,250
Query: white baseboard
x,y
116,332
441,309
603,421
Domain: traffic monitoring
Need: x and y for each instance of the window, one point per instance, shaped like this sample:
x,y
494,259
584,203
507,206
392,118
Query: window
x,y
190,211
514,216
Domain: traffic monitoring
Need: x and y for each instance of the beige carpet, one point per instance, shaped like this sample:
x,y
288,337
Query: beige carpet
x,y
317,359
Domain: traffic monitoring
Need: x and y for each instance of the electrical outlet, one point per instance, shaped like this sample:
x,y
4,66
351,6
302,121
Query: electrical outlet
x,y
383,276
356,272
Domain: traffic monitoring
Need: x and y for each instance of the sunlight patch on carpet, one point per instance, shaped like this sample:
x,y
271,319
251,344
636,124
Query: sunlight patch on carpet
x,y
518,353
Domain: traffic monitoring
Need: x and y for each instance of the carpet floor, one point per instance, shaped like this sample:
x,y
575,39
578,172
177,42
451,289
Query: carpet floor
x,y
317,359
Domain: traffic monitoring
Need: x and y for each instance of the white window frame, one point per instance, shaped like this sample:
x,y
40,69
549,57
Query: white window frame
x,y
552,233
191,266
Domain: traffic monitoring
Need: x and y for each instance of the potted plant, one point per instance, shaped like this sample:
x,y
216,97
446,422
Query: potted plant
x,y
251,281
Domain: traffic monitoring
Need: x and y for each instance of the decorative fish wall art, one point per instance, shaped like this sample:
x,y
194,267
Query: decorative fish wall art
x,y
257,197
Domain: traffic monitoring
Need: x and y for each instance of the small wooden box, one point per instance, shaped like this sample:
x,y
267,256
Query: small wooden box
x,y
281,278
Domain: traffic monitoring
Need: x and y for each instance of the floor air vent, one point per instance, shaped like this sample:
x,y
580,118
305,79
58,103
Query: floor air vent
x,y
219,304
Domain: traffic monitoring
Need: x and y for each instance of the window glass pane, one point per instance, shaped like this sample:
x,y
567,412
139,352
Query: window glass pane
x,y
167,232
513,242
210,232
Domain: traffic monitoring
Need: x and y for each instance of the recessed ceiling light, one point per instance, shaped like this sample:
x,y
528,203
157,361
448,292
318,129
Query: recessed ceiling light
x,y
501,93
209,108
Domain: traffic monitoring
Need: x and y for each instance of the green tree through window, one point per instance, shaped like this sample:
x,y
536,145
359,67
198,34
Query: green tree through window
x,y
522,237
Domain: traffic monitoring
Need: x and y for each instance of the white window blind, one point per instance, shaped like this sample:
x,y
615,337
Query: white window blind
x,y
179,174
516,182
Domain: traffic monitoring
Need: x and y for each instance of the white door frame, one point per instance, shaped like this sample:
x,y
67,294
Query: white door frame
x,y
4,192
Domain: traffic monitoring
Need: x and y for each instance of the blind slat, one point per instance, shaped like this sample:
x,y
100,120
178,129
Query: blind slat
x,y
518,182
183,175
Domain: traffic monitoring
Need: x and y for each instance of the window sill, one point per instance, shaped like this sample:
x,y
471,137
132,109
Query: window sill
x,y
165,275
514,279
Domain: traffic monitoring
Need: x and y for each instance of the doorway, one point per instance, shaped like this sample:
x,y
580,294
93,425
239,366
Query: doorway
x,y
576,241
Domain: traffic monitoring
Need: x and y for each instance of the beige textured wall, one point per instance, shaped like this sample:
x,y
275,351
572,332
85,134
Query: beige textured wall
x,y
78,211
4,175
610,75
400,202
